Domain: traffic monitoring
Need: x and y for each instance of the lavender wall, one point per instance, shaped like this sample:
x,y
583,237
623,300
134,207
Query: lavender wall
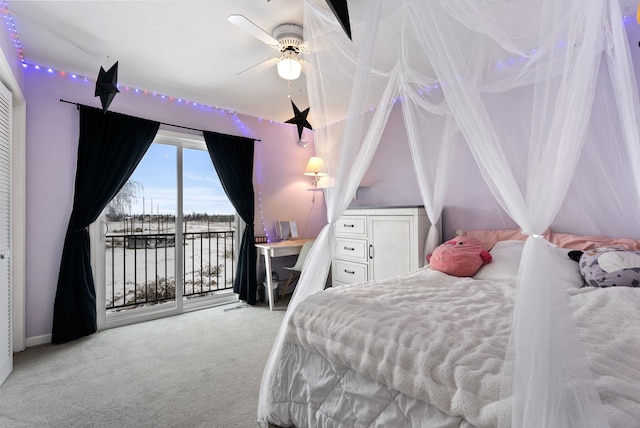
x,y
281,189
469,204
52,138
391,181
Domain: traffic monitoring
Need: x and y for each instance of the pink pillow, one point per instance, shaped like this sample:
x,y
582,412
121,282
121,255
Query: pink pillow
x,y
461,256
584,243
489,237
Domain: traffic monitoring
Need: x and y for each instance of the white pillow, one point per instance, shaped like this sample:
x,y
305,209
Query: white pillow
x,y
506,262
613,261
569,274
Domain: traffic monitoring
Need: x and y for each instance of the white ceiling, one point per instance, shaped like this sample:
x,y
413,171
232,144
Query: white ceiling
x,y
185,49
182,48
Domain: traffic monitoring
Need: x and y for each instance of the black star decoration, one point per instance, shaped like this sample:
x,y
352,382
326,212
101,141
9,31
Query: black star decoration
x,y
340,10
107,86
300,119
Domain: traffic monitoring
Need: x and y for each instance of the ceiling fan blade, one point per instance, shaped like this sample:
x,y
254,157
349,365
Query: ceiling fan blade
x,y
251,28
268,63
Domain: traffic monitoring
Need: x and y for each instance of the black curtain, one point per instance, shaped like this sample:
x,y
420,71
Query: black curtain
x,y
233,160
109,149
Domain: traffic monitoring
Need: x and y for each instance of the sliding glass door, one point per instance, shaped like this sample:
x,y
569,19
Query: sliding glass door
x,y
165,243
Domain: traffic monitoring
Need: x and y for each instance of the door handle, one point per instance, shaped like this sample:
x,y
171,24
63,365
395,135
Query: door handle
x,y
105,230
370,251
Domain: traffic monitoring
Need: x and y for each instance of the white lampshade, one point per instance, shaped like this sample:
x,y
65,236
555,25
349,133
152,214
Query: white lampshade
x,y
315,166
289,67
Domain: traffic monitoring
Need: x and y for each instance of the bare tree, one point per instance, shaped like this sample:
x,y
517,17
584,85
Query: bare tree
x,y
121,204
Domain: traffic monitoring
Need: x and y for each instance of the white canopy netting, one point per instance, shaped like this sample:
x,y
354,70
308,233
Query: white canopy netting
x,y
544,95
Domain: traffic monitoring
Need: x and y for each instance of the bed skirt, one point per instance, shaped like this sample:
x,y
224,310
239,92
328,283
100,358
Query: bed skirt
x,y
314,392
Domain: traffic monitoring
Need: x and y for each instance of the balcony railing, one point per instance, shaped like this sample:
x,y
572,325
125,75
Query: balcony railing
x,y
140,268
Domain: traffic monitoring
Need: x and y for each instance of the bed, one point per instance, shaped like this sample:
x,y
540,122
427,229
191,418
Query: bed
x,y
520,109
426,349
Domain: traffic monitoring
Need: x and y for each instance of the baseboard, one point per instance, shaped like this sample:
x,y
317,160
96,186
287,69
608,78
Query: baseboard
x,y
216,301
38,340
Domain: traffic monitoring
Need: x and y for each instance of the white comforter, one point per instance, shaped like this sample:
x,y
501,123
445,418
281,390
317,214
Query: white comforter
x,y
442,339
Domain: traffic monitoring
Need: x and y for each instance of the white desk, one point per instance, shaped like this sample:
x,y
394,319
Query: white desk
x,y
277,249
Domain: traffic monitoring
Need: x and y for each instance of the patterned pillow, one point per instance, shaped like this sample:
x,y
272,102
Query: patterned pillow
x,y
611,267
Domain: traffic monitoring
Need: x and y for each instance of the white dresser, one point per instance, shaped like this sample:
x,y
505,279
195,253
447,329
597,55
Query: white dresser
x,y
378,243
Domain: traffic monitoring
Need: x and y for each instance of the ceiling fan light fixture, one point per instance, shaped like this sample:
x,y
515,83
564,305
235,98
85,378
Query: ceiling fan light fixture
x,y
289,67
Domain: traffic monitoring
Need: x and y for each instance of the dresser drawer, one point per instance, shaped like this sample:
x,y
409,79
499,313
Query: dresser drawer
x,y
339,283
353,249
349,272
352,226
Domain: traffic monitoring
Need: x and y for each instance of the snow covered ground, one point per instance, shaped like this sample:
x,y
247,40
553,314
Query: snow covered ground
x,y
146,259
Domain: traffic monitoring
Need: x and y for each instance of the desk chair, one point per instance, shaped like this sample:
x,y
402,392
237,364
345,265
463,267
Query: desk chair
x,y
296,269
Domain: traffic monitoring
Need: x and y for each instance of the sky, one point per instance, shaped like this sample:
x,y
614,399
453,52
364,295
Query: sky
x,y
156,172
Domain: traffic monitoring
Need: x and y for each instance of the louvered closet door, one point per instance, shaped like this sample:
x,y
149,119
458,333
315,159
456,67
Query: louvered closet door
x,y
6,347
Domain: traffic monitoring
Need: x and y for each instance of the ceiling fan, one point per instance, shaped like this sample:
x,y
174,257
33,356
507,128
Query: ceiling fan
x,y
286,38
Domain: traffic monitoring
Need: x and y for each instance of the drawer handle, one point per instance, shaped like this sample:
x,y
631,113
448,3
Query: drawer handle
x,y
350,272
349,249
349,225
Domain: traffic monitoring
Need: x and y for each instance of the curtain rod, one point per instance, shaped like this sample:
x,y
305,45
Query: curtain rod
x,y
162,123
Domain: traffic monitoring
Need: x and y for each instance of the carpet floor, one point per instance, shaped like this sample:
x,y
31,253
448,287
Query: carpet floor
x,y
198,369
